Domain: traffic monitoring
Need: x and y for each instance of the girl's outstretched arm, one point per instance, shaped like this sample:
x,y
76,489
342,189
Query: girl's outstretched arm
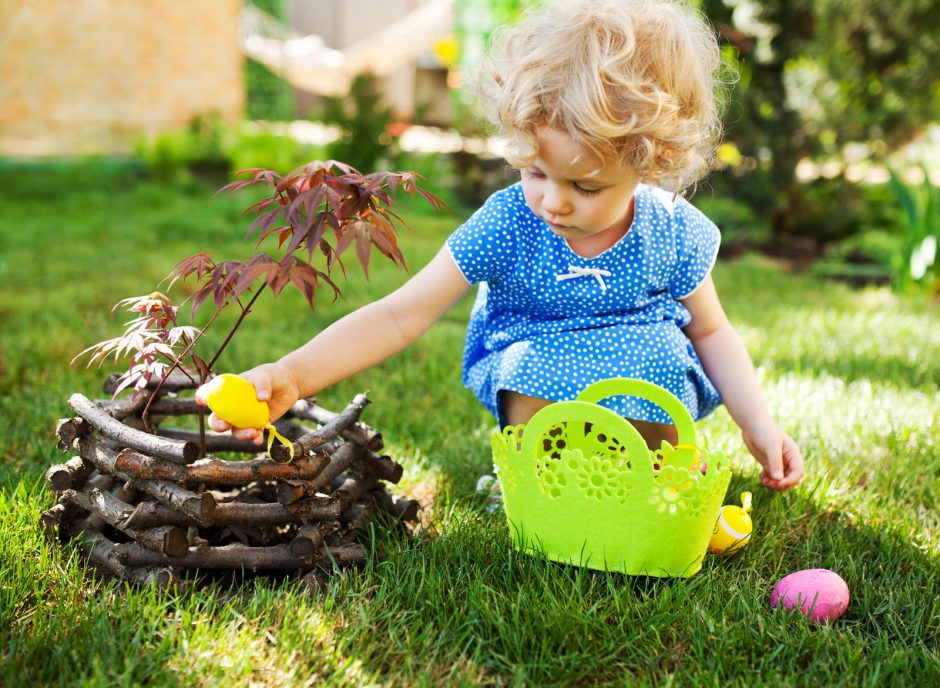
x,y
357,341
730,369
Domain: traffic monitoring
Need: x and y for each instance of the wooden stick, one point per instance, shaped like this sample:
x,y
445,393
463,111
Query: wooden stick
x,y
381,466
355,432
120,409
219,471
199,506
164,406
169,540
309,541
341,557
99,452
140,466
71,474
70,430
172,450
224,442
215,441
290,492
233,556
322,509
317,579
56,521
176,406
311,509
337,424
102,481
401,509
353,486
151,514
104,553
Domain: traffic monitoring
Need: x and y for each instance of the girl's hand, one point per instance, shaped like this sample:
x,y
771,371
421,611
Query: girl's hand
x,y
777,453
274,384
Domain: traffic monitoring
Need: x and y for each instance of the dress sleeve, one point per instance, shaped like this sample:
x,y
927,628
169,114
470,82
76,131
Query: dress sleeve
x,y
483,247
697,240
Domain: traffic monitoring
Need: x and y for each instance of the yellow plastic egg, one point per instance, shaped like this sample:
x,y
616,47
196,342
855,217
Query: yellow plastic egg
x,y
733,528
234,400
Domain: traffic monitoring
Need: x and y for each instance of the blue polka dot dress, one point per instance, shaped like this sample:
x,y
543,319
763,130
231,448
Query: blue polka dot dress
x,y
547,322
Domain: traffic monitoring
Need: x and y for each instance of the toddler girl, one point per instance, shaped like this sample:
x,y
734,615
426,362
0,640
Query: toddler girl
x,y
591,266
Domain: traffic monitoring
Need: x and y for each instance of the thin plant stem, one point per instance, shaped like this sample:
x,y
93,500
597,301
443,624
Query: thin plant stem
x,y
245,311
145,415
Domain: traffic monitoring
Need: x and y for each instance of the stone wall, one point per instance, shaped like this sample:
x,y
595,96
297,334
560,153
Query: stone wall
x,y
86,76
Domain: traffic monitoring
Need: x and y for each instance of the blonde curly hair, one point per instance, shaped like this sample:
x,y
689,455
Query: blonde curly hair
x,y
636,81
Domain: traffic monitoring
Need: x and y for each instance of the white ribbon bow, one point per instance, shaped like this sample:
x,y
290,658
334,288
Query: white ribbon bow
x,y
575,271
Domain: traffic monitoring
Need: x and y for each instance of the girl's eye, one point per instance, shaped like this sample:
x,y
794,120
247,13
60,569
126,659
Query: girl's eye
x,y
586,192
534,173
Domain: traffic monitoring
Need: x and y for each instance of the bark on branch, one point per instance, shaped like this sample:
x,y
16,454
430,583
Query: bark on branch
x,y
71,474
200,506
102,552
218,471
342,421
289,492
355,432
169,540
234,556
70,430
171,450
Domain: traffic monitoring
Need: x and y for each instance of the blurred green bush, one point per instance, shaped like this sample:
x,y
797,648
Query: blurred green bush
x,y
367,138
213,149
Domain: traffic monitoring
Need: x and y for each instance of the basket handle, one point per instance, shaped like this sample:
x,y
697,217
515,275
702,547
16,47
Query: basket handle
x,y
645,390
580,411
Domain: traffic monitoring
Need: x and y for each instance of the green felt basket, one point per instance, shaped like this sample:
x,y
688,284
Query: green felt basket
x,y
580,486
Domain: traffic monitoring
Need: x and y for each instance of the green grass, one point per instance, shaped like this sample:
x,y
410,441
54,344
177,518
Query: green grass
x,y
853,375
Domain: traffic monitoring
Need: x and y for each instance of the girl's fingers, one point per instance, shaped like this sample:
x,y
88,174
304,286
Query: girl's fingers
x,y
794,462
217,424
201,395
774,465
245,433
261,383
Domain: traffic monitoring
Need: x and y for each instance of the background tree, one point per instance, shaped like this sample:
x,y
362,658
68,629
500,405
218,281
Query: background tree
x,y
816,76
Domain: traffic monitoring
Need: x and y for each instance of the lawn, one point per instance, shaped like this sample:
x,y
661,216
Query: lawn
x,y
853,375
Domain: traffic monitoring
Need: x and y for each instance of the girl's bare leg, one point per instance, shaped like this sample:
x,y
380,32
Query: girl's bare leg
x,y
519,408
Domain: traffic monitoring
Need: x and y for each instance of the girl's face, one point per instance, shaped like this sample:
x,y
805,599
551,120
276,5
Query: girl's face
x,y
583,199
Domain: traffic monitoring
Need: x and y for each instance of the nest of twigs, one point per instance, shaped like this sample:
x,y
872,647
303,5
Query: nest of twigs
x,y
145,508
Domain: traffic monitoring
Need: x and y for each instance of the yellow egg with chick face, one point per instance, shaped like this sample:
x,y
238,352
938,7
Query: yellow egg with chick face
x,y
733,528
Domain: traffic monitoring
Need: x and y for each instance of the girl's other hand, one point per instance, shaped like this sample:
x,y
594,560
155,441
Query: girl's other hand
x,y
273,384
777,453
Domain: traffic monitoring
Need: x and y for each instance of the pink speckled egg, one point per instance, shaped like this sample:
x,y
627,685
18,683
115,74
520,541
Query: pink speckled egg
x,y
820,594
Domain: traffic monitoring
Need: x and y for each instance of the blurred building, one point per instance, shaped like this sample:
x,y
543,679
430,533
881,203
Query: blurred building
x,y
329,41
95,75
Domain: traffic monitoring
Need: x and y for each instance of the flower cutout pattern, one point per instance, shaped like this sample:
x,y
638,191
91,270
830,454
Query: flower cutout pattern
x,y
604,444
671,490
552,477
506,455
554,442
595,477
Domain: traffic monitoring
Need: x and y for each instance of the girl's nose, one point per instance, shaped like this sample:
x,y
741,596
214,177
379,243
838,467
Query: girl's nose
x,y
554,201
